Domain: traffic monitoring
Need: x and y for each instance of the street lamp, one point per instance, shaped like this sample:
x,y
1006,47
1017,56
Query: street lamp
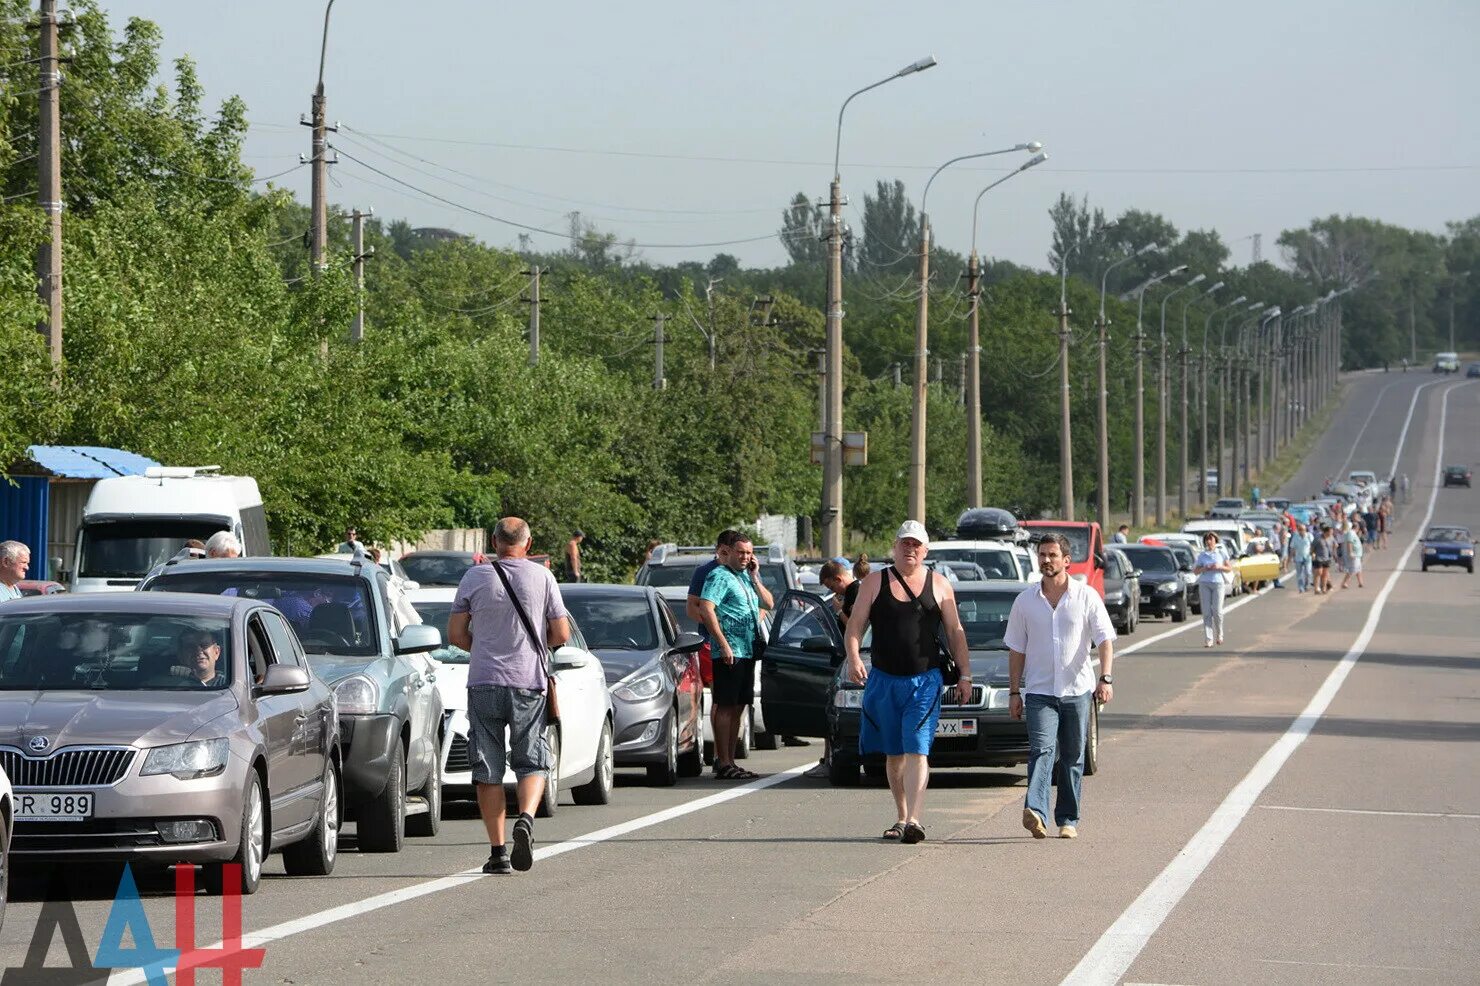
x,y
318,202
1260,364
1202,484
1182,446
922,326
1230,479
1138,513
832,451
974,349
1161,434
1102,500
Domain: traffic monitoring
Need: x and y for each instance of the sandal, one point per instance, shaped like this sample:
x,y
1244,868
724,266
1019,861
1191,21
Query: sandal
x,y
745,775
894,832
729,772
913,833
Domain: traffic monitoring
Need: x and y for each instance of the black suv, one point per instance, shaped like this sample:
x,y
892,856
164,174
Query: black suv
x,y
1457,476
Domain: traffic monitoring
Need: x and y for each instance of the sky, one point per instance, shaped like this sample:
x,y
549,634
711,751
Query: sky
x,y
679,124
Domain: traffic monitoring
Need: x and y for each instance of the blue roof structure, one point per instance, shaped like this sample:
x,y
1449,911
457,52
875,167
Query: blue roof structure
x,y
87,461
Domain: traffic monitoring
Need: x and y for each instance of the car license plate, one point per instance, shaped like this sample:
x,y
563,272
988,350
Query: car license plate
x,y
956,727
31,807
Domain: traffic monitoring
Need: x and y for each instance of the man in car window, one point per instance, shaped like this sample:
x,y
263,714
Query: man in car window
x,y
15,558
199,654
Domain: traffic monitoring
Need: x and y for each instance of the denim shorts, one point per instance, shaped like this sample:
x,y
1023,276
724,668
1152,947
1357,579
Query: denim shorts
x,y
506,727
899,713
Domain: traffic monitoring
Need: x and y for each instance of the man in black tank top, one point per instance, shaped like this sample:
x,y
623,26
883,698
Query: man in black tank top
x,y
907,605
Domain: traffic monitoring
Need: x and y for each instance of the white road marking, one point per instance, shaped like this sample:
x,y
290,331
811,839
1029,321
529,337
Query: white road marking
x,y
1123,941
1372,811
1189,625
1340,475
344,912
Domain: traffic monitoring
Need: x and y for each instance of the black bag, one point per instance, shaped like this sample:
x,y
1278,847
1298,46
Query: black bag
x,y
552,701
950,673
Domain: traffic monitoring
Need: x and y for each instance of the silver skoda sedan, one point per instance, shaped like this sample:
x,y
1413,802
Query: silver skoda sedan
x,y
163,728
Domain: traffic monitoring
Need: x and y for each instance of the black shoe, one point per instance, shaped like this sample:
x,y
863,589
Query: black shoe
x,y
794,741
523,844
498,864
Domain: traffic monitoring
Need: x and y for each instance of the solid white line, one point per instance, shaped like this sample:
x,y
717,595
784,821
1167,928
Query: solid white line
x,y
344,912
1123,941
1371,811
1189,625
1340,475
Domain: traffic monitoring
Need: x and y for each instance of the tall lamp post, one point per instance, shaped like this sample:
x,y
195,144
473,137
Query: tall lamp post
x,y
1261,364
1161,424
1202,482
318,202
1138,512
974,349
1229,479
922,329
1102,324
832,452
1182,456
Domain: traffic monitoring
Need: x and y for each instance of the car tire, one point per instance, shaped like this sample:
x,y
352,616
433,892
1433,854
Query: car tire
x,y
1422,567
1092,740
428,825
381,824
598,790
1179,615
550,800
315,855
665,774
746,740
767,741
251,847
842,768
691,764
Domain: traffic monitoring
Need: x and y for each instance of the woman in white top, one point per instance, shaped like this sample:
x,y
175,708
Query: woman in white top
x,y
1210,567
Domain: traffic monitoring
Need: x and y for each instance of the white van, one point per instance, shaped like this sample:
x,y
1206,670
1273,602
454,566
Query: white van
x,y
133,523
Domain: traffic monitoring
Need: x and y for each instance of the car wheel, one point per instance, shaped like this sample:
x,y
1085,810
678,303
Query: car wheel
x,y
746,740
315,855
1092,740
598,790
691,764
842,769
427,825
665,774
251,846
1179,615
381,824
1422,567
767,741
551,798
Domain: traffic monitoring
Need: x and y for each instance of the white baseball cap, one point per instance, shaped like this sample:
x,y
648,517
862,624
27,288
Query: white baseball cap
x,y
915,530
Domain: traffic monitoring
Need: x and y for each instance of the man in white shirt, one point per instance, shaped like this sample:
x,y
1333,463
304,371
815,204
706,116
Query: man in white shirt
x,y
1052,680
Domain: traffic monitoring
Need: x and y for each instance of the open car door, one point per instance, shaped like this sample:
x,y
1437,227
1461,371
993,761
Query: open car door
x,y
805,651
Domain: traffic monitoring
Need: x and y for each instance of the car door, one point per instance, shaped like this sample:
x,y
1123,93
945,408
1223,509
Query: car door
x,y
580,719
314,726
280,719
805,649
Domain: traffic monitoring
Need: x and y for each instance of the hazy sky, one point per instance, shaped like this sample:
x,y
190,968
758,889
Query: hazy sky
x,y
696,122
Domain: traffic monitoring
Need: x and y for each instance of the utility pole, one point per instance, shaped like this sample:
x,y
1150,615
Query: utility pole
x,y
922,357
1066,448
822,390
961,394
1412,330
711,339
1102,501
898,369
659,381
973,385
357,329
534,272
832,452
49,188
1138,512
318,203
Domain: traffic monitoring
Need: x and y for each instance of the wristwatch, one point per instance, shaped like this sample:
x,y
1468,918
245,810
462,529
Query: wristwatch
x,y
1107,679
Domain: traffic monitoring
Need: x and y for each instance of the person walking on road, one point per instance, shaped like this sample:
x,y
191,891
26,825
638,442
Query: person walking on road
x,y
729,609
1051,679
498,615
1210,566
15,558
1351,556
1302,552
1320,559
907,605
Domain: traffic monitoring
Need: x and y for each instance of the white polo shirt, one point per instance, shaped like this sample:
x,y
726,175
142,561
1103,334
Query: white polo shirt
x,y
1057,641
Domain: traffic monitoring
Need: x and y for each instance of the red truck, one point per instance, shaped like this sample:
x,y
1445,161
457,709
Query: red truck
x,y
1086,548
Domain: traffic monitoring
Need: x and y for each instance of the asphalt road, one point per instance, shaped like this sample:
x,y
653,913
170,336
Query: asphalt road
x,y
1298,806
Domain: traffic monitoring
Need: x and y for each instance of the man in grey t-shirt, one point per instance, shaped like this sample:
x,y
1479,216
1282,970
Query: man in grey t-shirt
x,y
506,683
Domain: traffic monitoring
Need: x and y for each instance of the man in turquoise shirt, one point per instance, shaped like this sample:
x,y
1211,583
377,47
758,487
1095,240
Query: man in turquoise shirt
x,y
730,608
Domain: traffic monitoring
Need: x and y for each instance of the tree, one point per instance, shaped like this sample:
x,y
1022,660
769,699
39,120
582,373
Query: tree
x,y
803,226
891,231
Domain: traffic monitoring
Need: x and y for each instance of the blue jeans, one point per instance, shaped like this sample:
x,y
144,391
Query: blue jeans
x,y
1056,729
1302,574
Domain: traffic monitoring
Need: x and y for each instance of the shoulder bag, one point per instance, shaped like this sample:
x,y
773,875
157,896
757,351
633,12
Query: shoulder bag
x,y
552,701
950,673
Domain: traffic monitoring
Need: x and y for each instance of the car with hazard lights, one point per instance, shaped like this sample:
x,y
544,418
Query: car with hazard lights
x,y
161,729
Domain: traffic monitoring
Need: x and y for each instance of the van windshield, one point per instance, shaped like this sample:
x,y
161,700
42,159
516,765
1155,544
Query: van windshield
x,y
1078,539
128,549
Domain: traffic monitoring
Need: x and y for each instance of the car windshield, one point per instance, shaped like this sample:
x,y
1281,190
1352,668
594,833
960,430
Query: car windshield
x,y
998,563
430,570
436,615
1149,559
616,622
1078,539
984,616
1229,503
1447,534
105,651
332,614
1456,470
1183,551
663,575
128,549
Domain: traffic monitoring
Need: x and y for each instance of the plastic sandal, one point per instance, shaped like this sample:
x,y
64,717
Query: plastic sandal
x,y
913,833
894,832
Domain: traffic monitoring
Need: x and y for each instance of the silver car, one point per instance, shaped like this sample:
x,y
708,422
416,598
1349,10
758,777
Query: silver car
x,y
166,728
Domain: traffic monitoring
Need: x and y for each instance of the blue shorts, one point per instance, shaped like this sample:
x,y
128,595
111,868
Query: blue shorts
x,y
899,713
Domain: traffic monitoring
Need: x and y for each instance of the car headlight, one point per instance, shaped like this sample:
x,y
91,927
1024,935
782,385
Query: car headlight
x,y
1167,588
640,689
848,698
187,761
357,695
1467,552
1431,551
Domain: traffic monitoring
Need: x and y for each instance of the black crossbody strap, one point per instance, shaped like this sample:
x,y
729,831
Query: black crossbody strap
x,y
947,662
534,638
919,607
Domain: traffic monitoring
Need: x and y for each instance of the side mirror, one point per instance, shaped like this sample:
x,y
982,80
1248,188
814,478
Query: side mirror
x,y
571,657
687,643
283,679
820,644
1183,567
1099,560
1136,572
418,639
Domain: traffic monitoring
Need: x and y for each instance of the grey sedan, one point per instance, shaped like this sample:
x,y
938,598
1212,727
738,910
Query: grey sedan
x,y
133,727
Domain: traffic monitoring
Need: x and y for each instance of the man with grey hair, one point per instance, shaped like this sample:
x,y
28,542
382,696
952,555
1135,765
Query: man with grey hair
x,y
15,558
507,615
223,544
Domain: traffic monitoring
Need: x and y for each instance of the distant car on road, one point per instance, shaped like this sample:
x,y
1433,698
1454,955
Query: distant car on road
x,y
1086,548
1122,591
1163,591
430,569
1473,370
1000,560
1229,507
1457,476
1446,544
1446,362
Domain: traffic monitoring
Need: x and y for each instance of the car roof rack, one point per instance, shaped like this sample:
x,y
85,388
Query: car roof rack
x,y
665,552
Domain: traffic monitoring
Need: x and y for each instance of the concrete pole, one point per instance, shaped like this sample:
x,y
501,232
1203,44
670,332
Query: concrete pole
x,y
357,226
974,386
319,169
832,453
1182,457
49,187
922,357
1066,444
534,313
659,381
1138,511
1102,501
